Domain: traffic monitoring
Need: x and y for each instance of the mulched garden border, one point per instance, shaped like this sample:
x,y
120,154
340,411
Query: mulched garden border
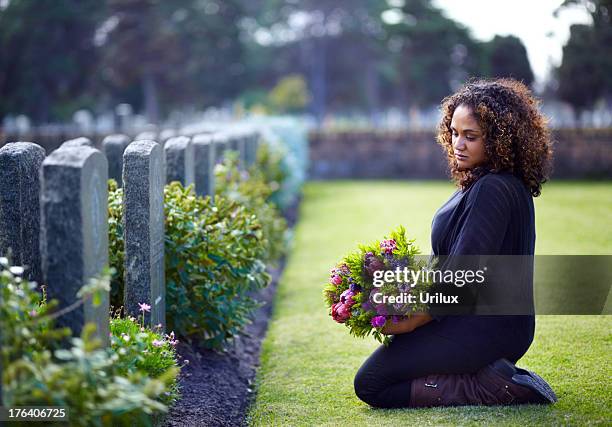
x,y
217,386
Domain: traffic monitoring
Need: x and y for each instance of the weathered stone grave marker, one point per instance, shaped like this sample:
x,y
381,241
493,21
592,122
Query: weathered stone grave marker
x,y
204,155
143,222
179,160
20,164
113,147
74,232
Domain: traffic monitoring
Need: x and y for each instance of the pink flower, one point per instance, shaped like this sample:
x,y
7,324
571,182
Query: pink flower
x,y
157,343
378,321
372,264
144,307
388,246
336,280
340,312
346,298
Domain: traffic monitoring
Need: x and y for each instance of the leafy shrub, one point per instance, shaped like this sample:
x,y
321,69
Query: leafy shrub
x,y
141,349
213,260
287,139
116,243
290,95
250,189
82,377
24,316
269,169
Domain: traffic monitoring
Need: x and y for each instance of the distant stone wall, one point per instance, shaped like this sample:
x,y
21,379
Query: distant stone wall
x,y
415,154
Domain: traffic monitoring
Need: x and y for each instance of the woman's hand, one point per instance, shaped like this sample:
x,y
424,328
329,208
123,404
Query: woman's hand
x,y
406,325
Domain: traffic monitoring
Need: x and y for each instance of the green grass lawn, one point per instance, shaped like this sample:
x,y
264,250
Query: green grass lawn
x,y
308,362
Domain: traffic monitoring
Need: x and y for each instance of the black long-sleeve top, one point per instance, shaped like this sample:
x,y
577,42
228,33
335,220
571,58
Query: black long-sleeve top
x,y
493,216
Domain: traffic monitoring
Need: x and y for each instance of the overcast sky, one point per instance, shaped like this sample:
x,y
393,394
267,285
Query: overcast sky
x,y
530,20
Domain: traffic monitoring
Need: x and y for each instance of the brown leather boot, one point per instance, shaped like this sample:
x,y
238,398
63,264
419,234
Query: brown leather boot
x,y
500,383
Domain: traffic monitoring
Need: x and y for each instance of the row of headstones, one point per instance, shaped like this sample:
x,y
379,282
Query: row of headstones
x,y
54,213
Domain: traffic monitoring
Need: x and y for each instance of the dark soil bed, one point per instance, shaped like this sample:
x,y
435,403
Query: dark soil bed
x,y
216,386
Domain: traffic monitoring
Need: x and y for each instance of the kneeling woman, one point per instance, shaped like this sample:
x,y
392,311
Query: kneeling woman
x,y
499,153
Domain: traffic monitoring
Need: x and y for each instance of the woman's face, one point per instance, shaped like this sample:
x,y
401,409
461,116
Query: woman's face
x,y
467,139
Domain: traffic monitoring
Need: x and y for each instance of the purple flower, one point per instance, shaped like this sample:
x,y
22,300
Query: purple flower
x,y
354,287
157,343
381,309
144,307
378,321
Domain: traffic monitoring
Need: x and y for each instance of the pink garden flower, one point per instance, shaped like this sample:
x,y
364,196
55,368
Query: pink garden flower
x,y
336,280
388,246
346,298
340,312
372,264
144,307
157,343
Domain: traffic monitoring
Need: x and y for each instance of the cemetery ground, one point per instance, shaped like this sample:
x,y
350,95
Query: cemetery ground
x,y
308,362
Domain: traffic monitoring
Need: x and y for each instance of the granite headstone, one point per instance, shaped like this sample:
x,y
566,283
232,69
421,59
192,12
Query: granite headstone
x,y
204,154
20,164
143,225
113,147
74,232
179,160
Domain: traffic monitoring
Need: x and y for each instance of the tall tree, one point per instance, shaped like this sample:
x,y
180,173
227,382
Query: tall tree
x,y
436,54
140,47
507,57
47,57
585,74
322,39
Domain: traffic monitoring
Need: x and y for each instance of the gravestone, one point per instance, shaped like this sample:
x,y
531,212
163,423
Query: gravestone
x,y
74,232
221,142
143,225
242,143
20,164
77,142
165,135
251,148
113,147
148,135
232,141
179,160
204,154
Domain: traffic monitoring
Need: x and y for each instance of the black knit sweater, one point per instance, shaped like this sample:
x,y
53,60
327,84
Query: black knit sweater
x,y
493,216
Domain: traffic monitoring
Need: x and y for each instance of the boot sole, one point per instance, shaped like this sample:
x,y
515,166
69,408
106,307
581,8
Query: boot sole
x,y
526,378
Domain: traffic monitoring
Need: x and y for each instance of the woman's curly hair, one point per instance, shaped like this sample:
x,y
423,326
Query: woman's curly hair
x,y
516,135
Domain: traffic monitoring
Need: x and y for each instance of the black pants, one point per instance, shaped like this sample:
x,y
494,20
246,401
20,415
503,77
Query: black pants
x,y
451,345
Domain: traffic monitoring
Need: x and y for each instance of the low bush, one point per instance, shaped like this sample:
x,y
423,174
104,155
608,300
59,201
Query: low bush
x,y
82,376
141,349
253,190
214,252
